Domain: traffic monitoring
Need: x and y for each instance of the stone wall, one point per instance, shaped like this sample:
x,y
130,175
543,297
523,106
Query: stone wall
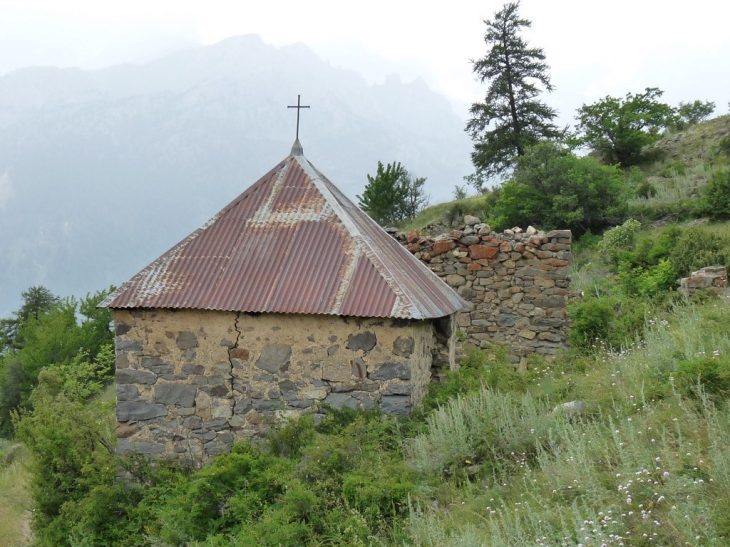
x,y
711,278
516,282
190,382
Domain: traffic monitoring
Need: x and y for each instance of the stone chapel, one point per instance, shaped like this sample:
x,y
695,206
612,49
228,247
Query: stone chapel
x,y
289,299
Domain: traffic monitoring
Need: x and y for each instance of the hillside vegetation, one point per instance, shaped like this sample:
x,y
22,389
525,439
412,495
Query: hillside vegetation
x,y
620,440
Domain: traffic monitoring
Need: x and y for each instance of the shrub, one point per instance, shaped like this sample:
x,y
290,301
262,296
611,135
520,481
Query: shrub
x,y
646,190
711,372
649,282
552,188
475,371
70,456
717,196
619,238
591,321
697,248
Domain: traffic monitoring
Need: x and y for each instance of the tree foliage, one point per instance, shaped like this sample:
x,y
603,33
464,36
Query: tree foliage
x,y
694,112
37,300
619,128
393,194
553,189
50,332
511,118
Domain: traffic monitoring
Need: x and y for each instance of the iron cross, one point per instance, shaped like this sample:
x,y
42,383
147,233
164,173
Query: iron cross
x,y
298,107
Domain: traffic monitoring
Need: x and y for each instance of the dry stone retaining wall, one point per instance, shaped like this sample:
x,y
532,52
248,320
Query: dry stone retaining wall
x,y
711,278
516,281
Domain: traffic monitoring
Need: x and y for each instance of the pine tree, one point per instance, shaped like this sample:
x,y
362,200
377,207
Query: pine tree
x,y
511,118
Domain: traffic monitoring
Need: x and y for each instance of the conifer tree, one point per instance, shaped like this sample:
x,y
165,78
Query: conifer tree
x,y
511,118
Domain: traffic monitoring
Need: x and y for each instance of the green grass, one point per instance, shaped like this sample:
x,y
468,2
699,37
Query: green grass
x,y
14,498
444,215
647,460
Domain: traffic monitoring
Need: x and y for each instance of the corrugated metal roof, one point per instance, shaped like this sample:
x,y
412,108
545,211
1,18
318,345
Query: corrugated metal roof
x,y
291,243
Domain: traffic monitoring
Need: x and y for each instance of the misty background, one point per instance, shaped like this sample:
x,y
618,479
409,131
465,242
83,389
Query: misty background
x,y
103,170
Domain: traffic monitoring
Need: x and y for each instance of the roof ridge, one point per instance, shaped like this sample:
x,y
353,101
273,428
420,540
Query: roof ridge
x,y
404,301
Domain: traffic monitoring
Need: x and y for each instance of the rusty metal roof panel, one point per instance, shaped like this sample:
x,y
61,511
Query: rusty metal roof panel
x,y
368,293
291,243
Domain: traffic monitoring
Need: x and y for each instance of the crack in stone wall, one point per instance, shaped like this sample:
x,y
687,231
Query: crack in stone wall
x,y
191,382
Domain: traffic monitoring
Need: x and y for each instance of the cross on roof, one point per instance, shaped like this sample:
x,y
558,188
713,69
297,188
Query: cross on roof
x,y
298,107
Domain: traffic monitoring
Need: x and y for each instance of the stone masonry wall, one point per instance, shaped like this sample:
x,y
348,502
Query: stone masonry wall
x,y
516,283
190,382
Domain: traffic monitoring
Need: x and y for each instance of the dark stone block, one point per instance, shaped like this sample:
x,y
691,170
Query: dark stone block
x,y
204,435
130,376
302,403
217,424
290,395
127,392
263,377
287,385
339,401
267,404
128,345
395,404
186,340
226,343
391,371
397,388
120,329
505,320
193,369
213,449
216,391
124,446
192,422
365,401
157,365
332,350
133,411
364,341
403,346
274,358
175,394
242,406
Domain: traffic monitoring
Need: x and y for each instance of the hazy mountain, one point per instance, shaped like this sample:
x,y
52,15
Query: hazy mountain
x,y
101,171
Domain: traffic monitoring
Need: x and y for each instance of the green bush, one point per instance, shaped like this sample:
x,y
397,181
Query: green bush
x,y
646,190
711,372
474,372
697,248
619,238
646,282
716,198
71,456
591,321
552,188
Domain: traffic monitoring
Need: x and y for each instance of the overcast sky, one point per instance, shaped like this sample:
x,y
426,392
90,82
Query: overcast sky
x,y
594,47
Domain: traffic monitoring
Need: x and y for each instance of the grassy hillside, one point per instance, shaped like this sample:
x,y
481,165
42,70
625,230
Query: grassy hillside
x,y
15,500
620,440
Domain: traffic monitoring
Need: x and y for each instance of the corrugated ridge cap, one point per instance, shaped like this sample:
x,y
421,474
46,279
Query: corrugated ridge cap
x,y
414,302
